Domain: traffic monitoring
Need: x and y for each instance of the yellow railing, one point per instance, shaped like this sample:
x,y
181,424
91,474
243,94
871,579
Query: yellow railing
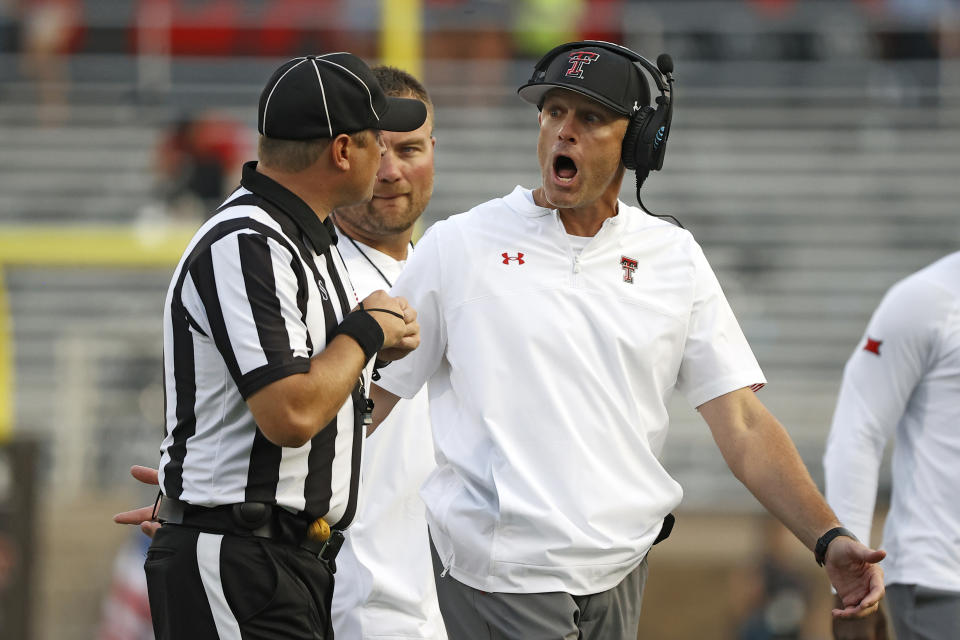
x,y
400,46
72,248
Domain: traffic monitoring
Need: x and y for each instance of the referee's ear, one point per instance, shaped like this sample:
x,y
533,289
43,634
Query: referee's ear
x,y
339,151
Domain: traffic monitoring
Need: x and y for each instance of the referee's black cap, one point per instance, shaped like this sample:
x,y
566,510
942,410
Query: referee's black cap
x,y
600,73
325,95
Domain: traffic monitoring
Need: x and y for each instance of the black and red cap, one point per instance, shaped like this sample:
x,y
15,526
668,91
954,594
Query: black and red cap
x,y
325,95
600,73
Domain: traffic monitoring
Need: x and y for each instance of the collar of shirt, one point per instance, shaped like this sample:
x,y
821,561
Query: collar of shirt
x,y
521,201
321,233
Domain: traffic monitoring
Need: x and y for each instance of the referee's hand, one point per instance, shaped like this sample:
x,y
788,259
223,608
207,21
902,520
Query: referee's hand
x,y
401,332
144,515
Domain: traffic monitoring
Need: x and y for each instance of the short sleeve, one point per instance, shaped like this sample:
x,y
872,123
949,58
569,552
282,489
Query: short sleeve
x,y
247,293
716,356
420,283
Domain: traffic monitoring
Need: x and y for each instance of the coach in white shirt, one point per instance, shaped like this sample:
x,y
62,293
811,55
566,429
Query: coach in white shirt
x,y
903,380
556,324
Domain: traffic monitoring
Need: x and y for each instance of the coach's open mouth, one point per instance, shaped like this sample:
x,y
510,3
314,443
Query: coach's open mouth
x,y
564,167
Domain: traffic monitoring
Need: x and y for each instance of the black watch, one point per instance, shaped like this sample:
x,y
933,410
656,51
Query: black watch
x,y
820,550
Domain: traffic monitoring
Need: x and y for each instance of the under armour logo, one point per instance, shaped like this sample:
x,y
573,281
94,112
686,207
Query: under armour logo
x,y
629,265
507,258
577,60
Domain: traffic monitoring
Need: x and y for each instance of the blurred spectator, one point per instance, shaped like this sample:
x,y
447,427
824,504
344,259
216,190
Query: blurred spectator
x,y
281,28
196,164
49,29
540,25
773,7
603,20
468,40
8,26
912,33
126,609
775,592
913,30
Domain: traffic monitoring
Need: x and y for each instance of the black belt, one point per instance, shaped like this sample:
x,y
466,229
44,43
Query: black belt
x,y
665,529
257,519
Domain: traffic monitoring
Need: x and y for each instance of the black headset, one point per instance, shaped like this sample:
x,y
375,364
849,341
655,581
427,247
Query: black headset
x,y
645,142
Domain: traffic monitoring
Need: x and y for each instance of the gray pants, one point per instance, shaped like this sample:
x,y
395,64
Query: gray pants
x,y
470,614
919,613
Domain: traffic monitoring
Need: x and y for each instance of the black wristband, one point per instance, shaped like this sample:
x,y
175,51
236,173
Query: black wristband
x,y
367,332
820,550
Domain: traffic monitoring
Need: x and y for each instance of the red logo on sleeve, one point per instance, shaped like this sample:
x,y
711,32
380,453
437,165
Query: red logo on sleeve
x,y
873,346
507,258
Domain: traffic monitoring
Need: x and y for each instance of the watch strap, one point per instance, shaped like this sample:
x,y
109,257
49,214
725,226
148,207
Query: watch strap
x,y
820,550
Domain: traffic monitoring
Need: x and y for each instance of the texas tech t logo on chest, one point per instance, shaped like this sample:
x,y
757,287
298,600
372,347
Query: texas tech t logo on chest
x,y
577,60
629,265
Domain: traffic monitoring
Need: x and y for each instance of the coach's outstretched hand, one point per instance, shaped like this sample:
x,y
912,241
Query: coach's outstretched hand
x,y
144,515
873,626
853,570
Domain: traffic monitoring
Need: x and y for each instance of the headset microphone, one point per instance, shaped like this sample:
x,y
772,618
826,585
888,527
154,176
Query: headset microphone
x,y
665,66
665,63
645,142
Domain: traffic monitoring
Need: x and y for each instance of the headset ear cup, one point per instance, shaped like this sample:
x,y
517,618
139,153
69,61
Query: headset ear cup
x,y
655,136
633,153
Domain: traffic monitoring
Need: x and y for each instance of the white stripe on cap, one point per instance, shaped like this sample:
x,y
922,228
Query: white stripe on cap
x,y
267,103
369,97
323,94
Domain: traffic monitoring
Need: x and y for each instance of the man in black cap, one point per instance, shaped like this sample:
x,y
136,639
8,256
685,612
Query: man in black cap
x,y
267,358
556,323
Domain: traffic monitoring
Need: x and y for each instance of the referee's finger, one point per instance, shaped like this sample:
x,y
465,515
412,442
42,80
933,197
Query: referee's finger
x,y
134,516
146,475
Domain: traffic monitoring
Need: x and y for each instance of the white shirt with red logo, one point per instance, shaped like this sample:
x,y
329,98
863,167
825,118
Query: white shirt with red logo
x,y
385,587
903,380
549,372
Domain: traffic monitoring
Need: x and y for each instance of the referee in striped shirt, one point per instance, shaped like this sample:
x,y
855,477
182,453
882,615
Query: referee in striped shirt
x,y
266,369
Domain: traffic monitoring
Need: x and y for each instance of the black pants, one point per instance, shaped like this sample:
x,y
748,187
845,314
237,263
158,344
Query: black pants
x,y
208,585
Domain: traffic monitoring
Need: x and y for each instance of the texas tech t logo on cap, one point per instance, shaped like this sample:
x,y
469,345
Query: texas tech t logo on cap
x,y
577,60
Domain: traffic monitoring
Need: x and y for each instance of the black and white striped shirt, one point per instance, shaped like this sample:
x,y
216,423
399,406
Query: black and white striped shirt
x,y
255,295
